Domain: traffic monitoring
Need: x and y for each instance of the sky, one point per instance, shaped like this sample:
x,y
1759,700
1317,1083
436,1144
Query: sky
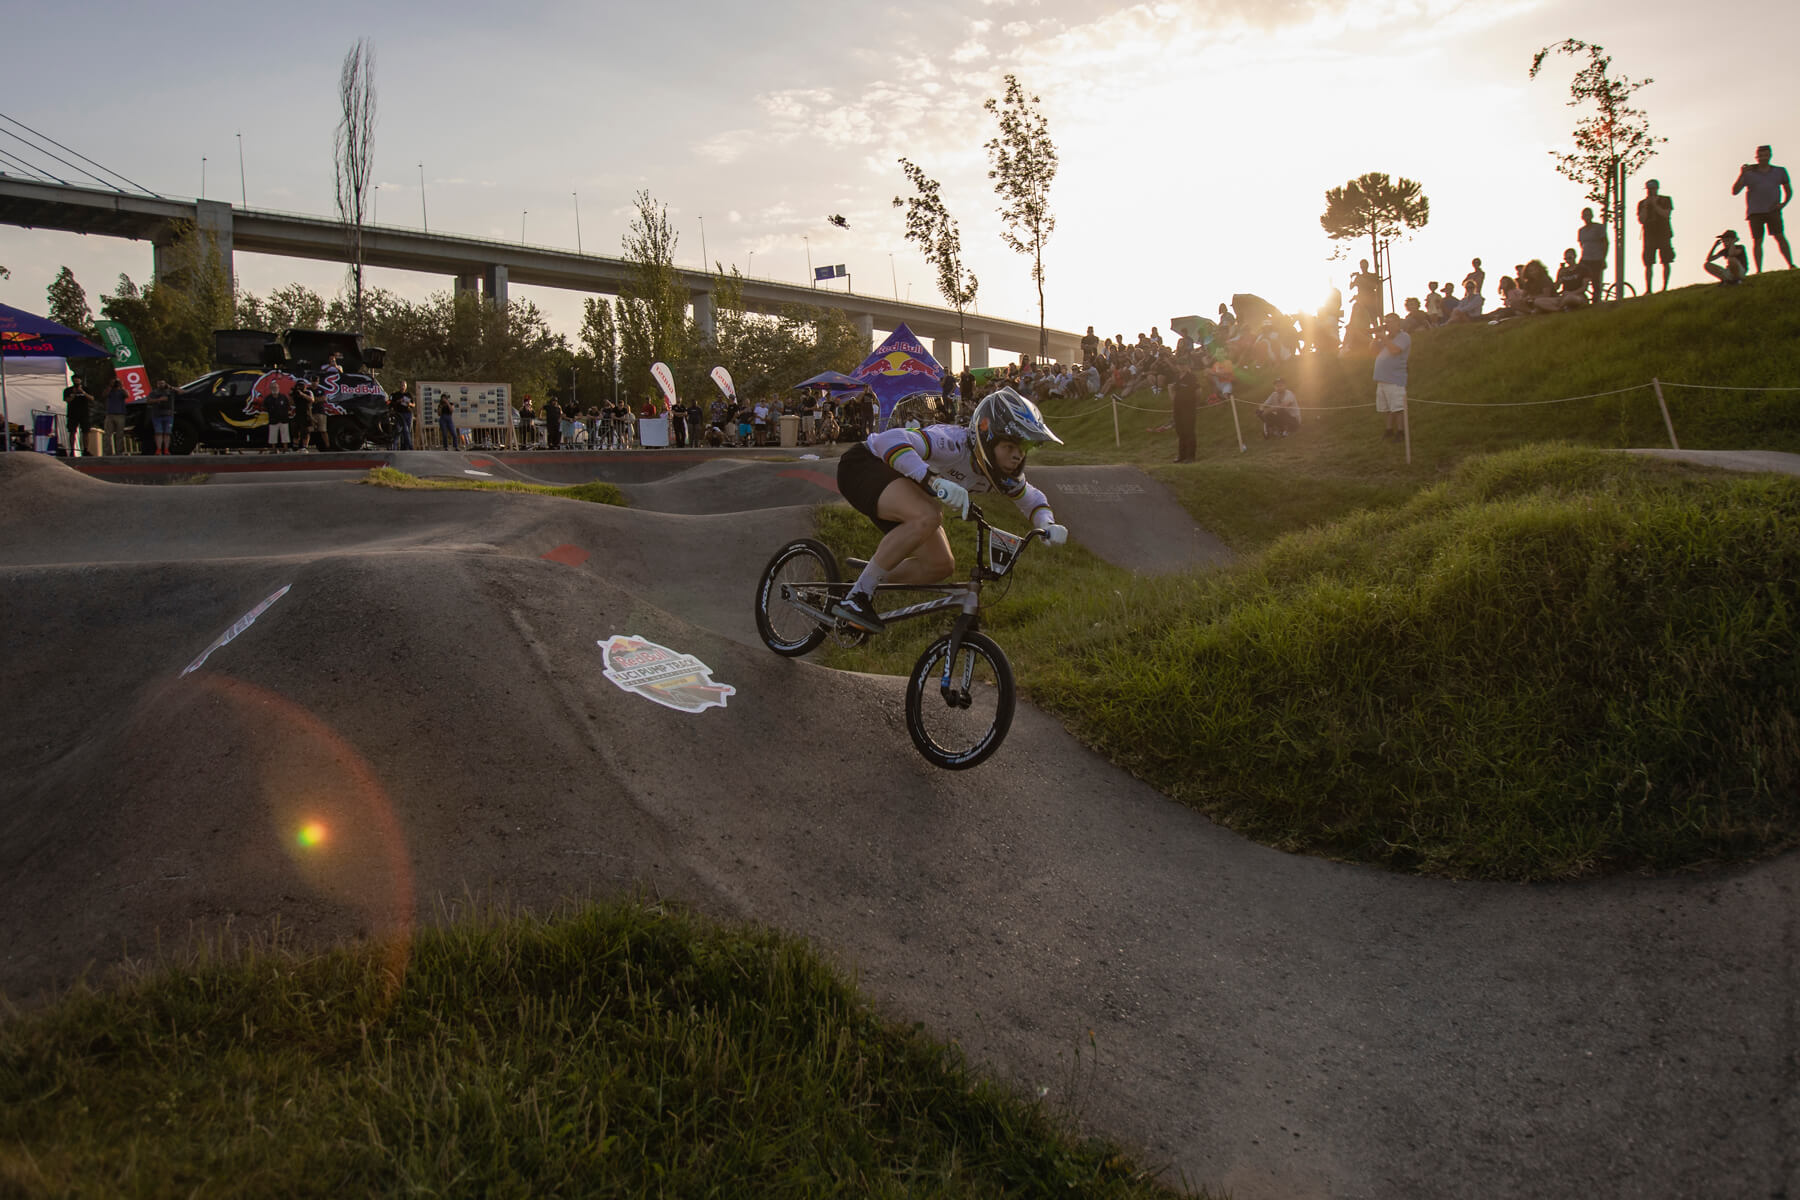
x,y
1196,140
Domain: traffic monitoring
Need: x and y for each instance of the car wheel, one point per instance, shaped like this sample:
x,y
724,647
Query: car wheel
x,y
346,434
184,439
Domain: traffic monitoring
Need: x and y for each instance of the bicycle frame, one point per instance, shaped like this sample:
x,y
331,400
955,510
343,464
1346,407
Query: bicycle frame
x,y
997,552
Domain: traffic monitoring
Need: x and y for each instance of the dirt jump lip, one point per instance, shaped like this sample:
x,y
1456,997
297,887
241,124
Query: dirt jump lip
x,y
1267,1024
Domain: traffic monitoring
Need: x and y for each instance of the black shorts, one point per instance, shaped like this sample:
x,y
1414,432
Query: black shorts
x,y
862,478
1770,221
1654,250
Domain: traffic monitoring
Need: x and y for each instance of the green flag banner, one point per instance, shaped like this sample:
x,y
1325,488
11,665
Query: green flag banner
x,y
128,364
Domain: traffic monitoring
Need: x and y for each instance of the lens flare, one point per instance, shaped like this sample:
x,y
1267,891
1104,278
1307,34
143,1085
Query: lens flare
x,y
311,835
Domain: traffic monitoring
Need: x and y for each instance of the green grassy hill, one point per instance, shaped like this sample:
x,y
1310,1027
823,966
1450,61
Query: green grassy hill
x,y
1522,655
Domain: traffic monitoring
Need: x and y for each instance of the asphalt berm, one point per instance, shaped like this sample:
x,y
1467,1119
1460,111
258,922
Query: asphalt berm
x,y
429,690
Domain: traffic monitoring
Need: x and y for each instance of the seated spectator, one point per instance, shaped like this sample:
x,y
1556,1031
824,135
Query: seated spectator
x,y
1542,289
1415,318
1280,412
1449,301
1571,278
1726,261
1513,300
1434,304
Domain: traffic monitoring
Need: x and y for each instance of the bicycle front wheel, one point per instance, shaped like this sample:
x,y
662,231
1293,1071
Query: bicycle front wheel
x,y
960,728
786,629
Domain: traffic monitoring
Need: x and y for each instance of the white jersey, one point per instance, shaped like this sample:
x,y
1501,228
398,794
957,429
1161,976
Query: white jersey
x,y
945,450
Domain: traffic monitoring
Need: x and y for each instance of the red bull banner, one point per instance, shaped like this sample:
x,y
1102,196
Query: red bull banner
x,y
899,367
128,364
665,379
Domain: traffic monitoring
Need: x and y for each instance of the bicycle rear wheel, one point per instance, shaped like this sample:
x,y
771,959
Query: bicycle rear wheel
x,y
963,730
786,629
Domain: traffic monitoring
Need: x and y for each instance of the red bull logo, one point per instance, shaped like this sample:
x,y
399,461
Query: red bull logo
x,y
897,363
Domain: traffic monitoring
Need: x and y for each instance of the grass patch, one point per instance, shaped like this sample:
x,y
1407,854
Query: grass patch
x,y
1557,663
593,493
618,1050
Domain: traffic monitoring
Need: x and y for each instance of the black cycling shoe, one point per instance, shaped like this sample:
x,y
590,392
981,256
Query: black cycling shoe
x,y
859,610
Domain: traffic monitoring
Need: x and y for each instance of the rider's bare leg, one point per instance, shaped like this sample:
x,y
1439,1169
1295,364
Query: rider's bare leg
x,y
914,551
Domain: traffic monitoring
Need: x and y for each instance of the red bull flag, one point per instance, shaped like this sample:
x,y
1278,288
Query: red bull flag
x,y
899,367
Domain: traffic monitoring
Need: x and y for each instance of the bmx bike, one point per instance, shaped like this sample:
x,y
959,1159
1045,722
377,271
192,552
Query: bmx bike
x,y
961,721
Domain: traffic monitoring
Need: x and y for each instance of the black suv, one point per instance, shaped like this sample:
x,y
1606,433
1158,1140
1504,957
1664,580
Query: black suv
x,y
224,408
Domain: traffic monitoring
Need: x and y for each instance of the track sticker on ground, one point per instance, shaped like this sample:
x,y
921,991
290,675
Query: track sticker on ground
x,y
670,678
244,622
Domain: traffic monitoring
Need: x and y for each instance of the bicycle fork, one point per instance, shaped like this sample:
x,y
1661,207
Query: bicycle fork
x,y
956,690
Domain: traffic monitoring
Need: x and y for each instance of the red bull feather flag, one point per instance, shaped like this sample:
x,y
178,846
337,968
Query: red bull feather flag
x,y
722,377
899,367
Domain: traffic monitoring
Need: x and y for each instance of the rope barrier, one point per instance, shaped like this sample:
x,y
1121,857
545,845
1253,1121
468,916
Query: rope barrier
x,y
1709,387
1527,403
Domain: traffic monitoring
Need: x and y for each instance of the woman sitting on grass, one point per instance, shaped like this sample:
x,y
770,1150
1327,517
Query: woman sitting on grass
x,y
1542,289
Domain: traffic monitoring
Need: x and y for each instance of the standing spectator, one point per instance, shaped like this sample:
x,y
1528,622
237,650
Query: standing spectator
x,y
1767,190
1280,413
277,408
965,386
1185,391
78,406
404,409
1390,374
1594,243
447,424
162,414
1658,231
678,425
1365,304
1726,262
302,417
321,418
1090,344
760,418
553,419
527,423
115,419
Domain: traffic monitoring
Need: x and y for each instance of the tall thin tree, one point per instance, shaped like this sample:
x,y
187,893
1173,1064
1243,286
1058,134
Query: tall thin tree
x,y
354,158
1023,162
1376,207
1609,145
931,228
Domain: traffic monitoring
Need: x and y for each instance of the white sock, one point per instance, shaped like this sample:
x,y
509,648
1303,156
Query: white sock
x,y
871,578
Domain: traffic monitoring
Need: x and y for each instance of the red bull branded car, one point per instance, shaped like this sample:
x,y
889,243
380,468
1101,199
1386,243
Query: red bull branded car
x,y
225,408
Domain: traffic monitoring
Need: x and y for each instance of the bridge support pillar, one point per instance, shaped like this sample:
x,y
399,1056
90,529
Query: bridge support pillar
x,y
944,349
468,285
865,325
706,315
209,242
978,349
493,285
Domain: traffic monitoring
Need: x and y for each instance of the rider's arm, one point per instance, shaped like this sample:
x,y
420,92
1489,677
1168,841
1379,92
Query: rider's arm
x,y
1034,504
905,450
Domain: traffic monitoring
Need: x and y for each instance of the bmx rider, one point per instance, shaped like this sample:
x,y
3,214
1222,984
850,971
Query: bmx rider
x,y
892,477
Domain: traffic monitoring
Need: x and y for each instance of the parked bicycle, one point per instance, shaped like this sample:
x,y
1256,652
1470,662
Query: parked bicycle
x,y
959,722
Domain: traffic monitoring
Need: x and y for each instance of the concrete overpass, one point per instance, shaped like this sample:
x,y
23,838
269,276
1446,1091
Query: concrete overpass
x,y
474,263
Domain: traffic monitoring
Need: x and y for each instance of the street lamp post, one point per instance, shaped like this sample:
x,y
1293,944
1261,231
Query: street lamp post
x,y
243,192
703,258
893,276
522,217
375,216
203,176
809,270
423,223
577,196
751,265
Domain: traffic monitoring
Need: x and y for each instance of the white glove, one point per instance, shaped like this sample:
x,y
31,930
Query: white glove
x,y
1056,535
953,494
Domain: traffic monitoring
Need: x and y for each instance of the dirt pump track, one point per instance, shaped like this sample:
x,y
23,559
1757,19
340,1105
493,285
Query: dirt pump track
x,y
431,684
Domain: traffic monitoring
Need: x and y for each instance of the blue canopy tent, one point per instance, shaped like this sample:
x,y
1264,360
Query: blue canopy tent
x,y
899,367
23,335
831,381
